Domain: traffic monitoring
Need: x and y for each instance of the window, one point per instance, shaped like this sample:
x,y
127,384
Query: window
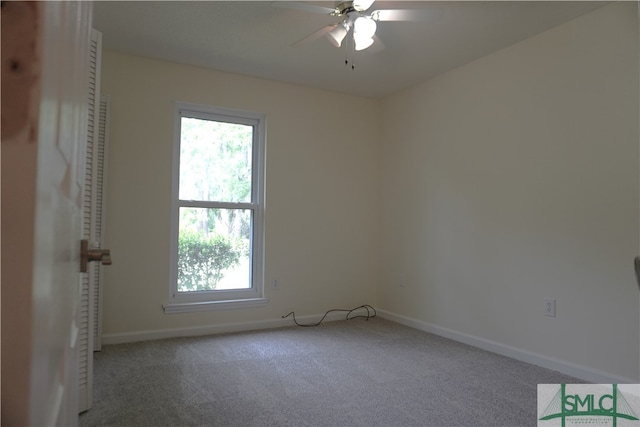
x,y
218,203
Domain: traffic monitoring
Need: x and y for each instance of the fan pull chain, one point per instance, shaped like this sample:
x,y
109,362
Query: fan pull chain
x,y
346,53
353,65
353,53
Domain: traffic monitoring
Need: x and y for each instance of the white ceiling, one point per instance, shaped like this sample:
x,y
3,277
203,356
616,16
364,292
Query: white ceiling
x,y
254,38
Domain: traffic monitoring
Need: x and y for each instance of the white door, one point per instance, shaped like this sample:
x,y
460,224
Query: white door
x,y
92,226
44,113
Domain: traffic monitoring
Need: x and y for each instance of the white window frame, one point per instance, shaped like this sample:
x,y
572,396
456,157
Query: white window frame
x,y
180,302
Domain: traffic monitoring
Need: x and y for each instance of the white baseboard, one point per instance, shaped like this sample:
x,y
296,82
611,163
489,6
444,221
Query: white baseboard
x,y
579,371
224,328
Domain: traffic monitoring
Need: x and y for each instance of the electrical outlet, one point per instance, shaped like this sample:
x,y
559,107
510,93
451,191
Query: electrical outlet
x,y
550,307
276,284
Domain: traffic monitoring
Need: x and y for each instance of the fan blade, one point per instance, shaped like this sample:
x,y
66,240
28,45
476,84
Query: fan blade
x,y
314,36
296,5
430,14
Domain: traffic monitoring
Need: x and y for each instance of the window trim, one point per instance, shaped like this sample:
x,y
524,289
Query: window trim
x,y
180,302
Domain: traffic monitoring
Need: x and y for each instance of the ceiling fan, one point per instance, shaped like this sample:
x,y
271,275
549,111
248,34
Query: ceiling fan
x,y
356,18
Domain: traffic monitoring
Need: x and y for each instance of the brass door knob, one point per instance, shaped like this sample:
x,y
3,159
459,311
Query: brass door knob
x,y
87,255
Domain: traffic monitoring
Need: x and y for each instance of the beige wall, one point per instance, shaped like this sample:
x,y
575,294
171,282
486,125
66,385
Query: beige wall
x,y
513,179
321,172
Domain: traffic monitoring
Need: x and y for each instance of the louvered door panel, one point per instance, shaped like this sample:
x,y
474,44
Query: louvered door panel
x,y
87,294
98,211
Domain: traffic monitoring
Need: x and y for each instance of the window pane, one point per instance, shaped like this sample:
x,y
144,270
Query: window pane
x,y
215,161
214,249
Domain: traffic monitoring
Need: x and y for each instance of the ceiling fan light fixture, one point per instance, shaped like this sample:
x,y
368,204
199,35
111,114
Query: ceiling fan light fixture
x,y
364,28
338,34
362,44
362,5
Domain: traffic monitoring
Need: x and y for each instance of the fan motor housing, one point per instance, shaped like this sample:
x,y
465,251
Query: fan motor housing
x,y
345,8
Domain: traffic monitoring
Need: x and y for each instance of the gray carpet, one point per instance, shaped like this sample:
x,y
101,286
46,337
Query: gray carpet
x,y
344,373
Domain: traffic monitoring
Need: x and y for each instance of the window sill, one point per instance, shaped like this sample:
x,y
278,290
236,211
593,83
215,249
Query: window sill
x,y
190,307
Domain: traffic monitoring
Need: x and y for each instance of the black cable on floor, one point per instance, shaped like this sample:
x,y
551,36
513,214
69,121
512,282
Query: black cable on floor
x,y
369,315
